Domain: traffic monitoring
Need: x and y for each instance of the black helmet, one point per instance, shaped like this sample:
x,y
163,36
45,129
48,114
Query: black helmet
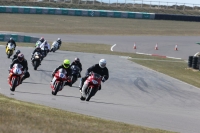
x,y
20,57
17,52
77,60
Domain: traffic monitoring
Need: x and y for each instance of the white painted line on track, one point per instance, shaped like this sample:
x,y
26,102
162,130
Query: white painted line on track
x,y
173,58
113,47
142,53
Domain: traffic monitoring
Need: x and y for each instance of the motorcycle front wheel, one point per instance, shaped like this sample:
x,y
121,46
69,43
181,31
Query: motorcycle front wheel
x,y
91,92
14,84
57,88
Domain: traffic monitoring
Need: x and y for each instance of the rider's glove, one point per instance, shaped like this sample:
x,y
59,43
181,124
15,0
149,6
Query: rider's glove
x,y
103,79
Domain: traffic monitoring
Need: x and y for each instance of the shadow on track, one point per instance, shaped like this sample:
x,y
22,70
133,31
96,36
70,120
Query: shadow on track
x,y
32,93
109,103
35,83
44,70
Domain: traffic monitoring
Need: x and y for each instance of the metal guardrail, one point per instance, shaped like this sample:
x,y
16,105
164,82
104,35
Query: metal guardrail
x,y
126,3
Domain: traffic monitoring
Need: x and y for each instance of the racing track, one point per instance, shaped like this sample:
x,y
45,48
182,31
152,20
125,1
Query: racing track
x,y
133,94
145,44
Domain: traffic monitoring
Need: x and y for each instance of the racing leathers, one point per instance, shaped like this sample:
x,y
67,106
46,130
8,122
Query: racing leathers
x,y
77,64
59,43
68,74
24,63
96,69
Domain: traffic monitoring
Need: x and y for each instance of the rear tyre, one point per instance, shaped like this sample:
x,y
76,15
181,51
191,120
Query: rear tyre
x,y
14,84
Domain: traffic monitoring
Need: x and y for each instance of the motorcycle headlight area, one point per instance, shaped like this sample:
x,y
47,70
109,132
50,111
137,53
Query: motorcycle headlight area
x,y
61,75
94,82
37,56
17,71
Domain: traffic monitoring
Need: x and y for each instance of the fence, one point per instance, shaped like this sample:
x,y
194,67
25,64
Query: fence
x,y
125,3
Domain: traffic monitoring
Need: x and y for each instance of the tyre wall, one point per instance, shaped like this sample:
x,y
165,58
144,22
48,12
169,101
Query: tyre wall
x,y
76,12
177,17
18,38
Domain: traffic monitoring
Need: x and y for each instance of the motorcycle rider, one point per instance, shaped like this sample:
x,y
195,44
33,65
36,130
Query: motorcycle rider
x,y
77,62
37,49
40,41
45,44
21,60
100,69
66,66
16,54
59,42
11,41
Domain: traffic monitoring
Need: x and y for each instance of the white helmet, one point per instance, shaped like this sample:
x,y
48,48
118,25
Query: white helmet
x,y
102,63
58,39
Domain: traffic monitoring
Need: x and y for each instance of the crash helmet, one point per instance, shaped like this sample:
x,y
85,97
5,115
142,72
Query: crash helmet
x,y
77,60
42,39
20,57
11,39
66,63
58,39
102,63
17,52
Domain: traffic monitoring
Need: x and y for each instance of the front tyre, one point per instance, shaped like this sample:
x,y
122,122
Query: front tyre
x,y
91,92
57,88
35,65
14,84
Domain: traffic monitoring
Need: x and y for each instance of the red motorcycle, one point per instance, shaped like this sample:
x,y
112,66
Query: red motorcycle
x,y
94,82
15,76
59,81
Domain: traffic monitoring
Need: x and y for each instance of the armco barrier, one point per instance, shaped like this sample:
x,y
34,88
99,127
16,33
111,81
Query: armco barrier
x,y
177,17
75,12
18,38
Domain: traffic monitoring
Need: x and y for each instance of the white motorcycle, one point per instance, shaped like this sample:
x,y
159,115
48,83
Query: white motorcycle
x,y
54,46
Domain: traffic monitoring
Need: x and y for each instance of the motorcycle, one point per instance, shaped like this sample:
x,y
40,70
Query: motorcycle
x,y
15,76
59,80
94,82
75,73
9,49
36,60
54,46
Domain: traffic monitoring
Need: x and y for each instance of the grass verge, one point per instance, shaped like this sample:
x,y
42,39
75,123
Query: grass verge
x,y
61,24
23,117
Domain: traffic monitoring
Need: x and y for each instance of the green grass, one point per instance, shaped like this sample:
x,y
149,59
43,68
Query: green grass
x,y
95,26
23,117
145,8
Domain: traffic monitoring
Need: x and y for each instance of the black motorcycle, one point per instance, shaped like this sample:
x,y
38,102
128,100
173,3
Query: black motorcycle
x,y
75,73
36,60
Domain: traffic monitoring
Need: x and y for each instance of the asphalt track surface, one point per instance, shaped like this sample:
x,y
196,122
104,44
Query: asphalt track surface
x,y
133,94
145,44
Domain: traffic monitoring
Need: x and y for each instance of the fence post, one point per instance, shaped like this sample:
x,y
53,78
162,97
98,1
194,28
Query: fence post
x,y
175,5
193,6
142,4
184,7
159,5
93,2
167,5
101,2
150,4
116,3
125,3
